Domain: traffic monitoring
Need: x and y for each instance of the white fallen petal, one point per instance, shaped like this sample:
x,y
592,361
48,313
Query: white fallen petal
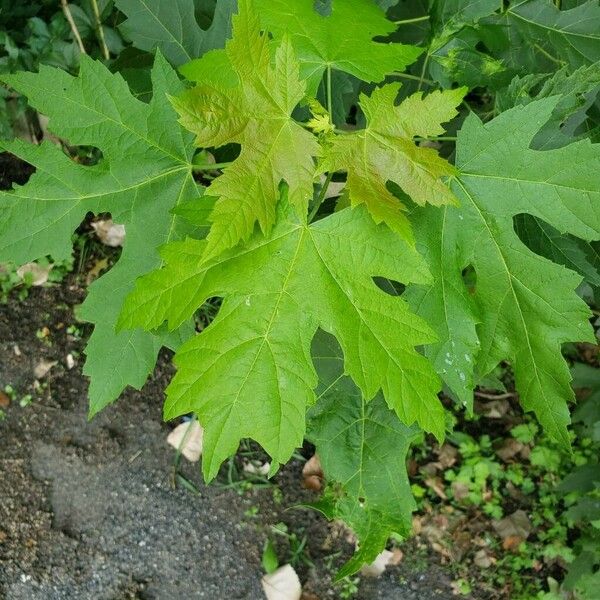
x,y
377,567
257,468
282,584
109,233
188,438
70,361
42,368
39,274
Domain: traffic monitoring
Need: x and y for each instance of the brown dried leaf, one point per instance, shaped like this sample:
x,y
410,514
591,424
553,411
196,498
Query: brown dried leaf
x,y
312,474
4,400
483,560
39,274
515,525
436,484
509,449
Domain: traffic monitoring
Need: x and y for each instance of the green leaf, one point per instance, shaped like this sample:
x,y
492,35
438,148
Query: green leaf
x,y
566,250
578,91
362,447
386,151
524,306
249,374
342,40
145,171
255,113
171,26
571,35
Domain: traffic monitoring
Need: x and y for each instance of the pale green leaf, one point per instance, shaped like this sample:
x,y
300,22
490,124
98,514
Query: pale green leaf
x,y
144,173
342,40
249,374
386,151
256,113
362,447
171,26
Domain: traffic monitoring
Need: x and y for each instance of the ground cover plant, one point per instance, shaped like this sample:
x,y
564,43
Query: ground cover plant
x,y
385,208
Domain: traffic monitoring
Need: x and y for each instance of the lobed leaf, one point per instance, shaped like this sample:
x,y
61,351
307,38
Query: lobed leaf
x,y
523,306
362,447
144,173
171,27
249,374
341,40
256,113
386,151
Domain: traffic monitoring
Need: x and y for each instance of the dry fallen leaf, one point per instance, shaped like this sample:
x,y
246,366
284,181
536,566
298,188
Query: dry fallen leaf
x,y
516,525
509,449
460,490
512,542
493,409
312,474
109,233
282,584
483,560
38,274
436,484
377,567
4,400
447,455
43,367
188,438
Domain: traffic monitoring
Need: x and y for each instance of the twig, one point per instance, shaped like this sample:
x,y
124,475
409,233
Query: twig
x,y
100,30
495,396
423,71
415,20
74,29
414,77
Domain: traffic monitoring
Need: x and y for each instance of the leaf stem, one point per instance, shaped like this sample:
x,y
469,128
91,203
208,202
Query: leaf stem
x,y
212,167
549,56
439,138
415,20
100,30
329,98
423,70
74,29
320,198
413,77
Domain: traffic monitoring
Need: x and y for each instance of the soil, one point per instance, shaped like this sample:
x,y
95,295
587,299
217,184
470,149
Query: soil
x,y
88,510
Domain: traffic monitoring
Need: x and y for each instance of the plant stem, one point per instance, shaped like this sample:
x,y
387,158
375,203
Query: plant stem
x,y
329,98
439,138
415,20
414,78
423,70
495,396
74,29
212,167
320,198
100,30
